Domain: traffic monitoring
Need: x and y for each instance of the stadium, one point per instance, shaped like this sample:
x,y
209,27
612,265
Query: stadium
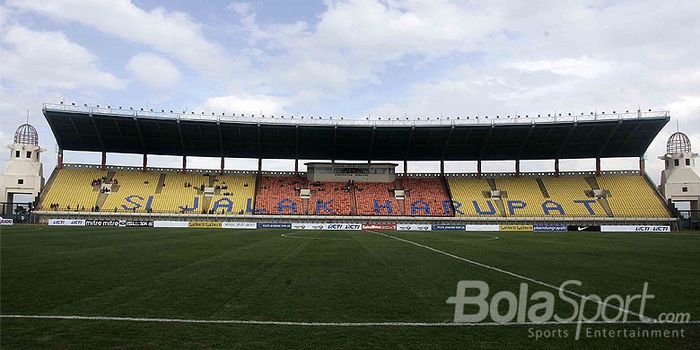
x,y
350,252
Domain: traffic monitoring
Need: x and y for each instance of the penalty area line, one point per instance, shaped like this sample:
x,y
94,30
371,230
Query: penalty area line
x,y
319,324
512,274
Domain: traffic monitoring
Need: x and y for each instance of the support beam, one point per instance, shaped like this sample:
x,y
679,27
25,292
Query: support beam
x,y
598,172
145,162
259,166
447,143
526,139
371,142
478,168
296,167
335,140
604,145
566,140
259,142
104,161
408,144
405,167
223,165
59,161
517,168
184,164
556,167
221,140
138,129
97,131
442,167
642,166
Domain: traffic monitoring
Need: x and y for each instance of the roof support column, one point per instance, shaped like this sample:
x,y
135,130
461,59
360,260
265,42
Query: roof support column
x,y
184,164
556,167
405,168
517,168
104,161
442,167
223,164
597,167
296,167
642,166
478,168
59,161
259,166
145,162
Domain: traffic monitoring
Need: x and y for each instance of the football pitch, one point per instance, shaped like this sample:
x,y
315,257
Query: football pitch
x,y
63,287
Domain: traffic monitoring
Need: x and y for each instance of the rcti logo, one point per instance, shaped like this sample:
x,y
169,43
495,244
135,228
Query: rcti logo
x,y
538,307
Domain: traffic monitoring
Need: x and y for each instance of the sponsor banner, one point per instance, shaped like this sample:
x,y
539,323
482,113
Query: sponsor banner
x,y
65,222
515,228
119,223
205,224
274,225
307,226
448,227
139,223
342,227
638,228
170,224
101,222
379,227
414,227
592,228
482,228
6,222
550,228
239,225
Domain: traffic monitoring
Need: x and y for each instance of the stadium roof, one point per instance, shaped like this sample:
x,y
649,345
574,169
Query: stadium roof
x,y
82,128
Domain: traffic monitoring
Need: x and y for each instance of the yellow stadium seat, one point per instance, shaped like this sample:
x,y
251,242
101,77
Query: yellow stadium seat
x,y
565,190
632,196
240,187
523,189
468,189
72,189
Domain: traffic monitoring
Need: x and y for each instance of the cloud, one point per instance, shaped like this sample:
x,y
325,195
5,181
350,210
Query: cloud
x,y
256,104
582,67
354,40
39,59
156,72
170,32
240,8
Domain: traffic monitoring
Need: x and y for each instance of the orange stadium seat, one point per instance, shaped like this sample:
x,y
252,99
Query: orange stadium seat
x,y
279,195
376,199
426,196
329,195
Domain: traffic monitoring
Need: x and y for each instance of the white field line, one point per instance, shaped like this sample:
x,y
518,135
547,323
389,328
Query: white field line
x,y
483,239
321,324
513,274
291,235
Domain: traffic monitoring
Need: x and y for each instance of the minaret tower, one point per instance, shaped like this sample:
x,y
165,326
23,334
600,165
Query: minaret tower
x,y
679,180
23,172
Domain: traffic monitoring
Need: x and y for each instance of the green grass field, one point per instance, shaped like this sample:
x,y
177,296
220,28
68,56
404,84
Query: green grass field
x,y
311,276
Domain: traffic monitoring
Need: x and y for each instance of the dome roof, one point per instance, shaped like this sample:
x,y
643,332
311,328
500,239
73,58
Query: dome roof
x,y
26,135
678,143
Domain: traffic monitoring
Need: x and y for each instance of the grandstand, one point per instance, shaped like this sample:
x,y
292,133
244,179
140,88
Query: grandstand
x,y
351,190
129,191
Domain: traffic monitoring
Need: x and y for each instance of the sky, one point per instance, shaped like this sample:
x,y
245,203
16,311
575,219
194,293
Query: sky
x,y
353,59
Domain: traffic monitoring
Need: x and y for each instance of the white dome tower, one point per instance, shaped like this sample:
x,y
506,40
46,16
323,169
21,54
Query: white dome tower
x,y
23,172
679,180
